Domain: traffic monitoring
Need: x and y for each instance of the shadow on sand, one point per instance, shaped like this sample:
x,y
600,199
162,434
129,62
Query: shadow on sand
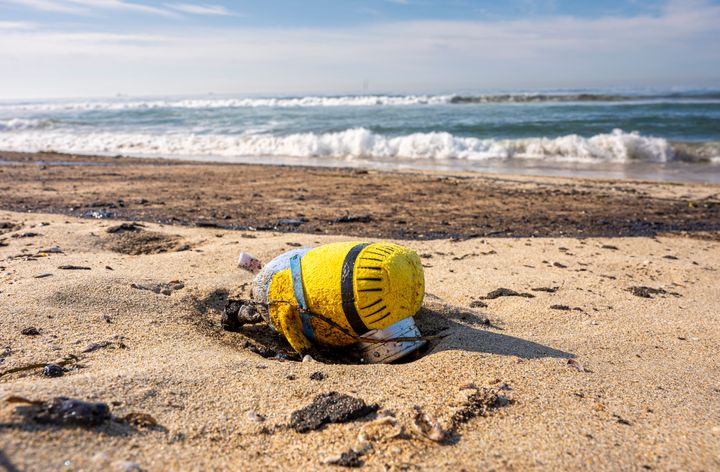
x,y
458,329
468,330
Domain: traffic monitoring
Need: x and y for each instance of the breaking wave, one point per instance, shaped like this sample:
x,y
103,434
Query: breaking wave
x,y
20,123
361,143
356,100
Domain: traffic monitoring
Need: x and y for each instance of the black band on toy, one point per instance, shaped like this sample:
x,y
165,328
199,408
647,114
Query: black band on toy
x,y
348,291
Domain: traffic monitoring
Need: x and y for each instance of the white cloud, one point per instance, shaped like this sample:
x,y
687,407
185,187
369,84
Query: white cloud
x,y
86,7
53,6
15,25
193,9
679,44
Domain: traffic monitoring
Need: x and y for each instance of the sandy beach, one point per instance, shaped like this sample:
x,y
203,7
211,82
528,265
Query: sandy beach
x,y
605,359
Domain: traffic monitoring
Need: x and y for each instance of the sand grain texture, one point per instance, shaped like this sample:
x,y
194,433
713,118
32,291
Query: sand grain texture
x,y
647,395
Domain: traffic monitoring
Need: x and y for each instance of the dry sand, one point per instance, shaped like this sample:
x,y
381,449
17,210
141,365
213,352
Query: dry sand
x,y
648,398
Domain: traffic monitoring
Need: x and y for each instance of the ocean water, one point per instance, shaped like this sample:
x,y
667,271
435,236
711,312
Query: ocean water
x,y
665,135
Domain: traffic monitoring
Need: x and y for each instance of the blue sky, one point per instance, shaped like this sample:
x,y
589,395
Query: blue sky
x,y
64,48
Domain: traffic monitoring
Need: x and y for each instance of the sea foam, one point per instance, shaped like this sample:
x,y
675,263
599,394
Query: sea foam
x,y
358,143
21,123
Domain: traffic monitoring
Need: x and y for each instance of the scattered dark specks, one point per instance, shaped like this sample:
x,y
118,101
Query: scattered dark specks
x,y
317,376
332,407
545,289
559,265
163,288
622,420
73,267
560,307
291,377
481,401
30,331
53,370
506,292
609,246
478,304
576,365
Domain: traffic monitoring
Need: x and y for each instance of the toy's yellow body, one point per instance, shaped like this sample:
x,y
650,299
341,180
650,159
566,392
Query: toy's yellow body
x,y
359,286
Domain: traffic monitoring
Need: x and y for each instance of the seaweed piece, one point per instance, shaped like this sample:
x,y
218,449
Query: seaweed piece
x,y
646,292
332,407
134,227
63,411
506,292
545,289
73,267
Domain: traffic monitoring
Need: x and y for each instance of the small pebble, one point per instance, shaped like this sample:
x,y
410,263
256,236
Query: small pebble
x,y
53,370
30,331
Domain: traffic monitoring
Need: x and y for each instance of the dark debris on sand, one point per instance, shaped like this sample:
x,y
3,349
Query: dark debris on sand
x,y
560,307
63,411
354,219
332,407
545,289
648,292
73,267
124,227
506,292
350,458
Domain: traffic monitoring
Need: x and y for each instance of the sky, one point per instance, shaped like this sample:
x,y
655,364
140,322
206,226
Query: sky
x,y
95,48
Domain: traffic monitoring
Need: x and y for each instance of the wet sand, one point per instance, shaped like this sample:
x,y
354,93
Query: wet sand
x,y
611,362
404,205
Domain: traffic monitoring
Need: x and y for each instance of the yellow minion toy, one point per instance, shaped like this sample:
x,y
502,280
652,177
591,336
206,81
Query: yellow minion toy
x,y
358,288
